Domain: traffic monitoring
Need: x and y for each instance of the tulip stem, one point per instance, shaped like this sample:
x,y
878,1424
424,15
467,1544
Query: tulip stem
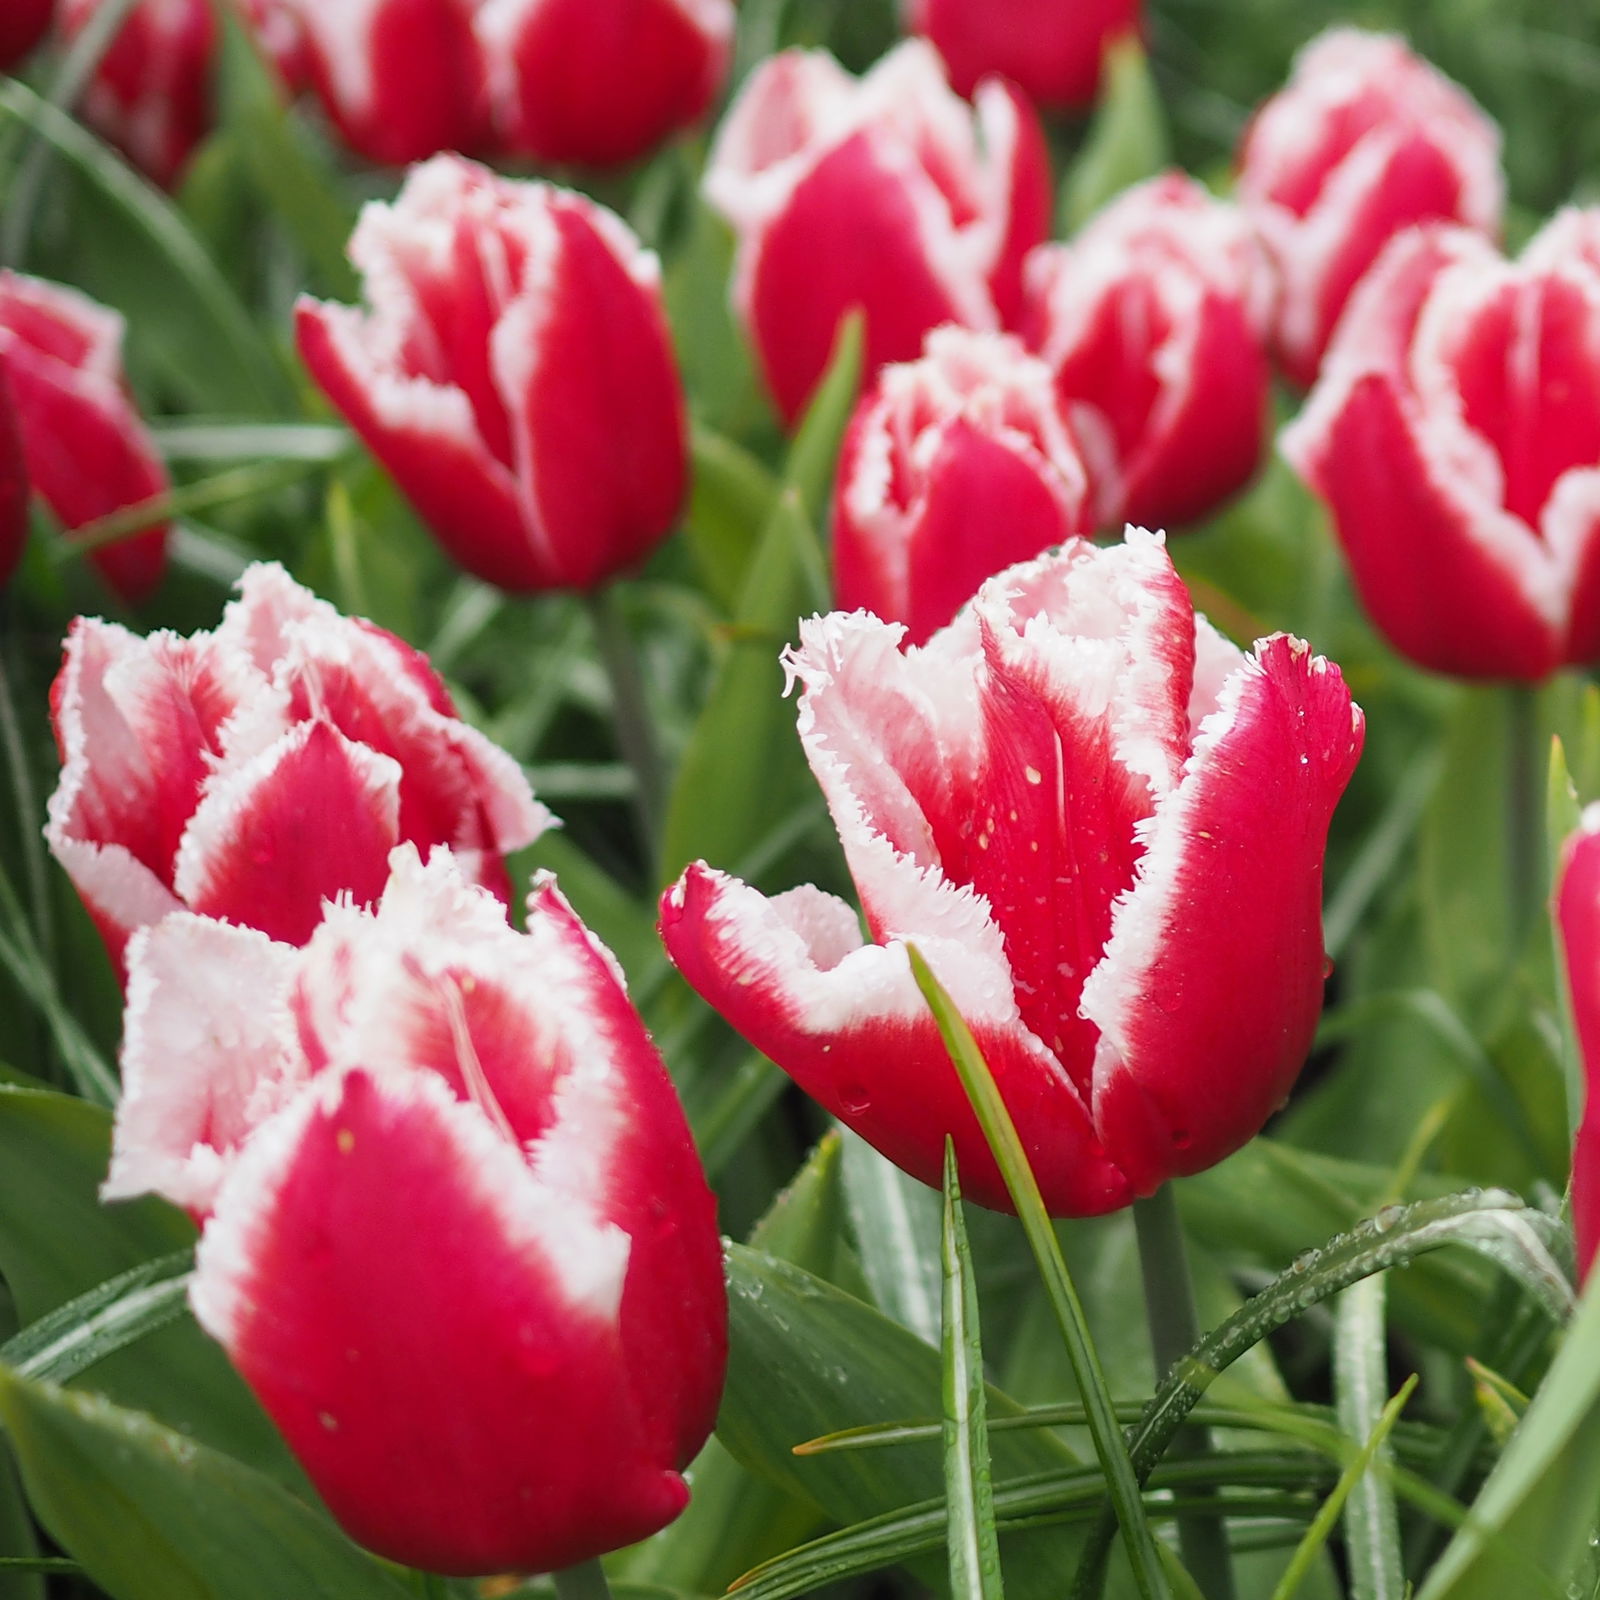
x,y
1525,780
635,732
586,1581
1174,1331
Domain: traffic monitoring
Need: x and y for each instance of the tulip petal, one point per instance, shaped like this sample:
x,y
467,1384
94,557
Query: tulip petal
x,y
1578,917
847,1022
380,1237
244,856
1227,904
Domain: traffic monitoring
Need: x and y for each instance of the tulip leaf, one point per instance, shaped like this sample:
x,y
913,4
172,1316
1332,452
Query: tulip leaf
x,y
1533,1522
970,1540
896,1222
809,470
995,1119
58,1241
731,498
1127,140
20,1562
807,1358
210,345
151,1515
1371,1520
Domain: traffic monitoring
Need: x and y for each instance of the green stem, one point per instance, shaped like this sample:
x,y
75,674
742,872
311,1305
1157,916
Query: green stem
x,y
635,731
1525,782
1174,1331
586,1581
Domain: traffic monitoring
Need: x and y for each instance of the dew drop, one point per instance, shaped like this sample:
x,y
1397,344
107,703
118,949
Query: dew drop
x,y
854,1099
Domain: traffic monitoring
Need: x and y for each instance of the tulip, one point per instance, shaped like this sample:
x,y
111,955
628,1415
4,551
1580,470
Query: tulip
x,y
1103,827
514,374
952,467
455,1233
1365,140
890,194
23,23
151,92
1053,52
1154,322
602,82
1455,436
258,771
1577,905
83,445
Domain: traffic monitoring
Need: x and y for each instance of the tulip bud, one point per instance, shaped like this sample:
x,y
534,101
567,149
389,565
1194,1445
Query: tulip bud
x,y
455,1233
258,771
514,374
151,92
1154,322
1577,907
889,194
1103,827
83,444
1364,141
953,467
23,23
600,83
1455,435
1051,49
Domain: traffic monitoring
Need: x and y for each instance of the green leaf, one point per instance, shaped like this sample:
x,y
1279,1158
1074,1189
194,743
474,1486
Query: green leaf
x,y
896,1222
1127,140
58,1241
20,1562
970,1540
1012,1159
1535,1516
731,498
1371,1521
815,452
177,303
151,1515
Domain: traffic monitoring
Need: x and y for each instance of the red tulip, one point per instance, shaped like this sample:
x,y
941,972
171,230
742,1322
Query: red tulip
x,y
515,375
258,771
1455,434
1154,323
23,23
889,194
456,1236
1365,140
602,82
151,92
84,446
1052,51
1102,825
1578,918
953,467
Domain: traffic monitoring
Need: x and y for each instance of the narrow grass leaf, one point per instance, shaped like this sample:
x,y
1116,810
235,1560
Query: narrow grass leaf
x,y
1371,1521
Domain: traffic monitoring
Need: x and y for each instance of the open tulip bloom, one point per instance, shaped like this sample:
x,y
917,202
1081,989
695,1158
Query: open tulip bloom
x,y
455,1233
1455,436
1103,826
1577,906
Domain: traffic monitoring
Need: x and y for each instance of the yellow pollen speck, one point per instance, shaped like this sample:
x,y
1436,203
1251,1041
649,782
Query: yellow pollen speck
x,y
346,1141
1033,775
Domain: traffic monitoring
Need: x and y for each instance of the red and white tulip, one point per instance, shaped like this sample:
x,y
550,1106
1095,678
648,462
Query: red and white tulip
x,y
514,374
953,467
1455,436
1154,322
1102,825
889,193
256,772
1365,140
455,1233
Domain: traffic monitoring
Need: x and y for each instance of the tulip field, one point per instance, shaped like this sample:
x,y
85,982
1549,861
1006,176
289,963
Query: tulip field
x,y
799,798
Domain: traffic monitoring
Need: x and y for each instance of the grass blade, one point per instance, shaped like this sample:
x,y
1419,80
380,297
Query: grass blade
x,y
1371,1521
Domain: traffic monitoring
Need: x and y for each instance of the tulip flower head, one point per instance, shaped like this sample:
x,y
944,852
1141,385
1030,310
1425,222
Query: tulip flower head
x,y
1051,49
1455,436
1365,141
1577,907
257,771
455,1233
888,193
84,446
1154,322
1102,825
952,467
514,374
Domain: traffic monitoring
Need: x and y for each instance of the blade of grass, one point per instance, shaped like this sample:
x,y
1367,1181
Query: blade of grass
x,y
1001,1132
1371,1519
970,1539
